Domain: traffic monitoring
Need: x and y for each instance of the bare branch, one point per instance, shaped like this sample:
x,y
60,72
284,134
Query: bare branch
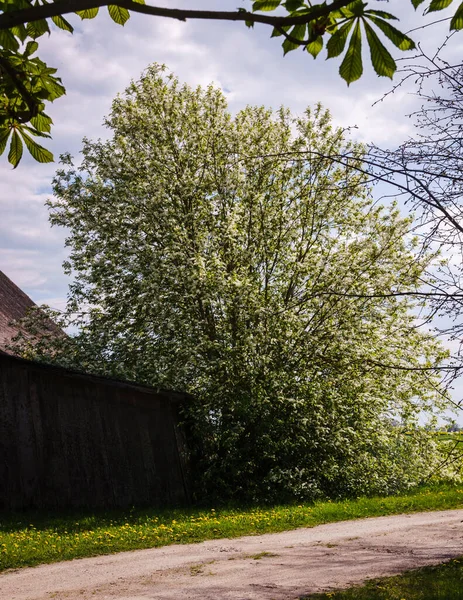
x,y
450,368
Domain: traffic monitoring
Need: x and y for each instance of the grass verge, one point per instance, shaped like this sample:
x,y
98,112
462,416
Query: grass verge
x,y
444,582
32,538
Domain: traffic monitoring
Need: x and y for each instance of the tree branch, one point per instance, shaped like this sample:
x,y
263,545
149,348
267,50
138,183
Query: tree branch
x,y
348,160
61,7
388,294
398,367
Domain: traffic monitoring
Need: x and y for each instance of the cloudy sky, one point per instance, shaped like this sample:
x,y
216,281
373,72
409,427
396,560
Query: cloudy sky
x,y
101,58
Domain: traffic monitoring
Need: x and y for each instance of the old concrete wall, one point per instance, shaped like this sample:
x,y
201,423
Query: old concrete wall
x,y
68,439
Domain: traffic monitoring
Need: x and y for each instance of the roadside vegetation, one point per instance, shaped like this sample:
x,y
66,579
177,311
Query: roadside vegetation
x,y
444,582
32,538
271,286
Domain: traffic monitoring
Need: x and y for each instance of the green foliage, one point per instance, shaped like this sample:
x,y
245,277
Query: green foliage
x,y
351,67
234,258
457,21
266,5
34,537
315,46
338,26
436,5
118,15
26,84
382,61
443,582
89,13
303,24
337,41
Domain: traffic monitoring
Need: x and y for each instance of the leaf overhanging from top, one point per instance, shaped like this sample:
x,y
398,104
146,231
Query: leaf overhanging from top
x,y
62,23
351,67
438,5
118,14
383,14
8,41
277,32
20,32
457,21
357,8
36,29
315,46
42,122
292,5
31,48
399,39
4,135
383,63
266,5
38,152
16,149
88,13
337,41
298,32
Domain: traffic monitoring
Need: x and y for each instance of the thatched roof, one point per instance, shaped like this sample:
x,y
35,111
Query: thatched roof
x,y
14,305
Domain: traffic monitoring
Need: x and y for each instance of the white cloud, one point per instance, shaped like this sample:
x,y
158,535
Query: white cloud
x,y
99,61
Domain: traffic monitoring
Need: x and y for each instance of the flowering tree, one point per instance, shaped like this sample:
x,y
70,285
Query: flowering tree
x,y
206,249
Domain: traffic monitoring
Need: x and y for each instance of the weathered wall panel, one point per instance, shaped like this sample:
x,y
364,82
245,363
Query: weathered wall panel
x,y
69,439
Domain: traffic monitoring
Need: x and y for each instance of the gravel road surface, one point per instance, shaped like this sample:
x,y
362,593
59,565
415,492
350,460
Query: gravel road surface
x,y
278,566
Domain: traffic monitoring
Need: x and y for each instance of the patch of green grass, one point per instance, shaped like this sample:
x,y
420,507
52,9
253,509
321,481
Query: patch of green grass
x,y
444,582
261,555
31,538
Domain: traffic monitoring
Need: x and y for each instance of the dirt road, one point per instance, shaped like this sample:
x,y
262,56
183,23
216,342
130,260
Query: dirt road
x,y
280,566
